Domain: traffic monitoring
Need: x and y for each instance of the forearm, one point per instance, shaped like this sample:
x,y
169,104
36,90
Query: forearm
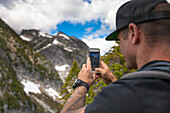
x,y
76,102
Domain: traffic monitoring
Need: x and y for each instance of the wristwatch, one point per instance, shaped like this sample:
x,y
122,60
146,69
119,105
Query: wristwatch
x,y
79,82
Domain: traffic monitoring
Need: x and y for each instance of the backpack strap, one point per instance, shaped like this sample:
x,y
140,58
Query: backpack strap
x,y
148,74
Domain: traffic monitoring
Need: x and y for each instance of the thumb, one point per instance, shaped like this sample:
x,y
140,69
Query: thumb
x,y
94,76
100,70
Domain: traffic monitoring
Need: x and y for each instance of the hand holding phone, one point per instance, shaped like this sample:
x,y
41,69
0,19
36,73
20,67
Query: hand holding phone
x,y
86,74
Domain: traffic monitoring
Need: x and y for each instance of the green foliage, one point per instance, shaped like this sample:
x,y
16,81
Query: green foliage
x,y
25,56
72,76
1,106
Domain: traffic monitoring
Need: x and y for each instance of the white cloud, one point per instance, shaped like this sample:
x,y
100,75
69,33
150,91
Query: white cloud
x,y
100,43
94,41
43,15
89,29
46,14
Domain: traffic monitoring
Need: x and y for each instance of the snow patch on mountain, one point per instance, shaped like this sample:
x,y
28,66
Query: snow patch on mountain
x,y
53,93
67,49
30,87
34,88
63,75
45,35
61,68
25,38
47,46
65,36
55,34
63,71
56,42
44,47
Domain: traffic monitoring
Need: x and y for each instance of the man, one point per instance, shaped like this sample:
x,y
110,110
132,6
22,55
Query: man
x,y
143,28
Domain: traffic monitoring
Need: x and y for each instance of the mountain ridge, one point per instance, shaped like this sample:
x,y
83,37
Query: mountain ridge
x,y
38,63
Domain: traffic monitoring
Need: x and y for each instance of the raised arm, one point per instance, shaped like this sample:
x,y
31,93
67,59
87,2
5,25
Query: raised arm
x,y
76,102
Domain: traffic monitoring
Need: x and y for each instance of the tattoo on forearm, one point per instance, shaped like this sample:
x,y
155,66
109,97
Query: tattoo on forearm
x,y
80,102
76,100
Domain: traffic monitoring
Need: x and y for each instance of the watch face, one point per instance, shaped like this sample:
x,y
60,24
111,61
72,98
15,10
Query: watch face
x,y
78,81
75,81
74,85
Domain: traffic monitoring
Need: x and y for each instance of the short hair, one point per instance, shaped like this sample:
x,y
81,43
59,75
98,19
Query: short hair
x,y
157,30
154,31
124,33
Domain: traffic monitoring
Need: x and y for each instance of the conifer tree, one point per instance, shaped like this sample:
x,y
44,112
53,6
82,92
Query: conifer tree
x,y
72,76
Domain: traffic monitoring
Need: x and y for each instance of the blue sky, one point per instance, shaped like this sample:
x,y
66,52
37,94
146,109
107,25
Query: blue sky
x,y
89,1
78,29
89,20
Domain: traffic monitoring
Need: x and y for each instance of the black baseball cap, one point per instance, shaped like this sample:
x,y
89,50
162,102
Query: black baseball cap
x,y
137,11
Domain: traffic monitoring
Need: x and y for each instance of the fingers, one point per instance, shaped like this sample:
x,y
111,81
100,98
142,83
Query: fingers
x,y
98,77
103,65
88,63
84,66
94,75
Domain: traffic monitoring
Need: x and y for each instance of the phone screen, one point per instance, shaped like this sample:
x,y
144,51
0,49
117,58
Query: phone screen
x,y
95,59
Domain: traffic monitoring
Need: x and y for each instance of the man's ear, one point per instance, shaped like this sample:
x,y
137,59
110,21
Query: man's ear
x,y
133,33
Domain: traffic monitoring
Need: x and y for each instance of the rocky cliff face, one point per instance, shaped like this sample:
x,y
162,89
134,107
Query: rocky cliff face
x,y
28,81
61,50
33,67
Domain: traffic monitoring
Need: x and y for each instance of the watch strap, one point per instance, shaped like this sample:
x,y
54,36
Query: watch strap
x,y
79,82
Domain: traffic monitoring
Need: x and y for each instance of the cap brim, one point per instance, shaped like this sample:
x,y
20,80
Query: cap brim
x,y
112,36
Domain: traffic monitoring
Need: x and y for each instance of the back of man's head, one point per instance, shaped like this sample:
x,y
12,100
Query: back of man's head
x,y
157,30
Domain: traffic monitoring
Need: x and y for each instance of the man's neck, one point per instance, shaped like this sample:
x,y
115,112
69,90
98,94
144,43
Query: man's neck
x,y
147,55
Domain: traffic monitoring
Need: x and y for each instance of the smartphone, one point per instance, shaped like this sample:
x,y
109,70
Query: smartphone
x,y
94,54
